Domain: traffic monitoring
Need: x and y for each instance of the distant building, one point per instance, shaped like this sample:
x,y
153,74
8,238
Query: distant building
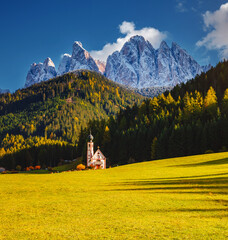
x,y
97,159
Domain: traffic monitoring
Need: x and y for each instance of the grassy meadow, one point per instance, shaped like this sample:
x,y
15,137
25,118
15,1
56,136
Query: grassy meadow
x,y
179,198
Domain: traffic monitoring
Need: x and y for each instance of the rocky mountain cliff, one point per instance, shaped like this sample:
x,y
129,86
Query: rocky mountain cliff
x,y
40,72
101,65
139,65
136,65
80,59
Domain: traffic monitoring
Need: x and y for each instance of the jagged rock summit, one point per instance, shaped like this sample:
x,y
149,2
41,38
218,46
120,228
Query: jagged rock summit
x,y
136,65
80,59
65,64
139,65
40,72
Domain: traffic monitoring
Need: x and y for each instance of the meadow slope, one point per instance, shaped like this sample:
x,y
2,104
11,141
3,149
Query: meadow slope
x,y
179,198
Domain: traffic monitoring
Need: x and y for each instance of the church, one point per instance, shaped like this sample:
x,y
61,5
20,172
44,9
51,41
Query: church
x,y
96,160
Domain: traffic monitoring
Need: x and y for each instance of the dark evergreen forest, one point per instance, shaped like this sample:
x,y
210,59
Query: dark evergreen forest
x,y
53,113
190,119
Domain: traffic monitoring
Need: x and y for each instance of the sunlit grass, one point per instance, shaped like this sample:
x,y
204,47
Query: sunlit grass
x,y
179,198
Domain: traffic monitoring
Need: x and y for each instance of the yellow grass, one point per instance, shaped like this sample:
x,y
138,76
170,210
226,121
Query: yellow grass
x,y
179,198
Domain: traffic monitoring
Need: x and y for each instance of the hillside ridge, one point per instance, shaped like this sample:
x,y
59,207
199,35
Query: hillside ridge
x,y
45,108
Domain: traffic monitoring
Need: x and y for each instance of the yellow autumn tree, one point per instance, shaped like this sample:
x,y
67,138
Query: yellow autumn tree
x,y
210,102
2,152
225,103
210,98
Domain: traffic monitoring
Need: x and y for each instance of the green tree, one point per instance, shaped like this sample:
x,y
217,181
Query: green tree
x,y
154,148
210,102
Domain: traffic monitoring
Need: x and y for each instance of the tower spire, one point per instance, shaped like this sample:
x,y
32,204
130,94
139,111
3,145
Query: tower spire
x,y
90,136
90,149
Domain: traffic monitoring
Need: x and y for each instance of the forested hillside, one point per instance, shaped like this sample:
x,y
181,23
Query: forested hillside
x,y
191,119
34,151
216,77
41,124
58,108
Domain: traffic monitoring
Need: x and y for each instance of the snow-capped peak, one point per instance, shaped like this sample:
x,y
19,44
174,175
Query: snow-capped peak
x,y
164,45
78,43
40,72
80,59
64,65
49,63
139,65
137,38
175,45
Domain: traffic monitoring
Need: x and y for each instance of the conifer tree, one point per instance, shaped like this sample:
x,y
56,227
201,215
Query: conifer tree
x,y
225,103
154,148
210,102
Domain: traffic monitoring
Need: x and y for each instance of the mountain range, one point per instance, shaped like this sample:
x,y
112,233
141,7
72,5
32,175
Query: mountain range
x,y
136,65
139,65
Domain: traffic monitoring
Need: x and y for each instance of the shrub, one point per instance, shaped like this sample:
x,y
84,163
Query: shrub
x,y
31,167
37,167
27,169
223,149
50,169
18,168
209,151
80,167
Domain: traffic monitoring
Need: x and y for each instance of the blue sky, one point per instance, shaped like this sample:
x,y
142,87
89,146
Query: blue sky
x,y
34,30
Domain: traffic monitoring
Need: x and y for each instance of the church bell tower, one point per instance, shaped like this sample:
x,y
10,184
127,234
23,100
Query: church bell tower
x,y
90,149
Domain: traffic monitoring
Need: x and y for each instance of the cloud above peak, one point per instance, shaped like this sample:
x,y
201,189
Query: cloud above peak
x,y
153,35
127,27
216,23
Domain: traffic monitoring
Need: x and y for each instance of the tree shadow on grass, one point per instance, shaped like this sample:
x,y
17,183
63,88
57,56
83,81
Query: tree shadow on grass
x,y
210,188
184,177
214,185
193,182
213,162
218,213
192,210
220,201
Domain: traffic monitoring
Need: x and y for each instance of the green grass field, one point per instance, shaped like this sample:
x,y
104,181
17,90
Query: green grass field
x,y
179,198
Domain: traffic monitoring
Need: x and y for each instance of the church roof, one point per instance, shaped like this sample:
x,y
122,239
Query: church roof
x,y
96,153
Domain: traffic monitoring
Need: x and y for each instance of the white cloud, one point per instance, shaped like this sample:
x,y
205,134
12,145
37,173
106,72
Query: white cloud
x,y
180,7
153,35
217,25
127,27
